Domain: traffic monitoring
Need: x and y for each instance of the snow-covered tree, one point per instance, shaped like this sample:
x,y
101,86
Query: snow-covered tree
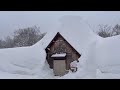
x,y
105,31
108,31
116,30
23,37
27,36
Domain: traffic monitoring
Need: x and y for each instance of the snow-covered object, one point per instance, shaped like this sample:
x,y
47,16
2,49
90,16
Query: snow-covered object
x,y
59,55
79,34
32,60
73,64
74,29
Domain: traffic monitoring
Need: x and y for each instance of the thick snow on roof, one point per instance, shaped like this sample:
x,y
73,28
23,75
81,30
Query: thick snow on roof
x,y
80,35
59,55
74,29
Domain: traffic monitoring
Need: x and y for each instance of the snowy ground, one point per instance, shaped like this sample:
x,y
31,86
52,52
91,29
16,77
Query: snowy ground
x,y
99,75
100,57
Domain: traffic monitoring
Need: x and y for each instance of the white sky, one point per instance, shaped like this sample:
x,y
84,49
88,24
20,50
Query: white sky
x,y
12,20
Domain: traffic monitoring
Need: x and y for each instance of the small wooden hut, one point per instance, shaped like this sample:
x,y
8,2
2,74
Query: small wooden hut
x,y
60,53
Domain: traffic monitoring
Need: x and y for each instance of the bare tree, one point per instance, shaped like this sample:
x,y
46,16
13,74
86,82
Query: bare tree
x,y
1,43
27,36
108,31
116,30
8,43
105,31
23,37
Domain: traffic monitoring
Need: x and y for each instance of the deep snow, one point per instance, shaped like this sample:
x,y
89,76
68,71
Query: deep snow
x,y
99,56
107,56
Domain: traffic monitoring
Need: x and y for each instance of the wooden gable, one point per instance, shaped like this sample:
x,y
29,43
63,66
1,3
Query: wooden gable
x,y
55,38
60,45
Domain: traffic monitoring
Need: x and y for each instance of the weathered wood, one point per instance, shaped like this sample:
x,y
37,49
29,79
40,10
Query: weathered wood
x,y
60,45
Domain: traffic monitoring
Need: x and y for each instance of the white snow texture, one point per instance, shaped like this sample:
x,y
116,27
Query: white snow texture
x,y
99,56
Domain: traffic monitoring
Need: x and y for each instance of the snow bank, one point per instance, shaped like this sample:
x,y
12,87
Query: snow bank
x,y
95,53
100,75
25,60
107,56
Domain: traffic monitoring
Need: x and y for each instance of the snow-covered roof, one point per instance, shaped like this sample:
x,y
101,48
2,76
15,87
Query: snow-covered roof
x,y
59,55
74,29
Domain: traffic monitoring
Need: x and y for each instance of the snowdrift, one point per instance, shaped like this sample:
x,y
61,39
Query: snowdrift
x,y
21,60
96,52
75,30
80,35
107,54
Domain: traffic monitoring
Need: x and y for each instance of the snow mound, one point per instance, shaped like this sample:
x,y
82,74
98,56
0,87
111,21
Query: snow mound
x,y
107,56
23,60
75,30
99,57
